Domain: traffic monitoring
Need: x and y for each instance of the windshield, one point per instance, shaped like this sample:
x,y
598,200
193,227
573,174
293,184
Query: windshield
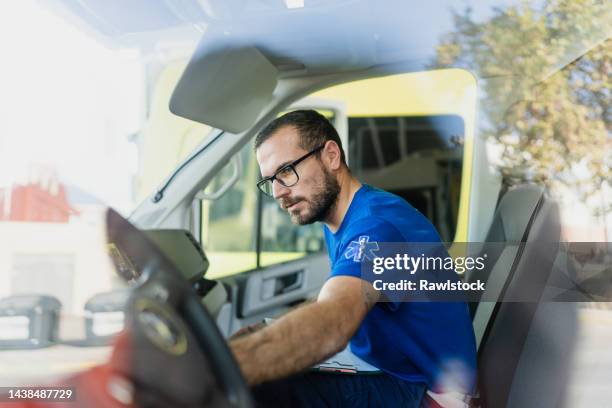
x,y
75,114
88,115
479,100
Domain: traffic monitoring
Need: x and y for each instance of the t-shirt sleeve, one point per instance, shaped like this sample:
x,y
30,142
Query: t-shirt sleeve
x,y
361,243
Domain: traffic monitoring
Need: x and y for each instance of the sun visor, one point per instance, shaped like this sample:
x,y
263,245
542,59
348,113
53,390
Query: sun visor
x,y
226,88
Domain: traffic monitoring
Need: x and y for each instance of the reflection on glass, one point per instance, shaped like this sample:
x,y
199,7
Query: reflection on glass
x,y
545,73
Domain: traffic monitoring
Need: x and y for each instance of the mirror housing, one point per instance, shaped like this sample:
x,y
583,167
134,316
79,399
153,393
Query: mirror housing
x,y
226,88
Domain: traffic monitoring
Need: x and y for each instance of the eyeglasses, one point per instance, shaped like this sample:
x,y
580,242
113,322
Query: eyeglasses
x,y
286,175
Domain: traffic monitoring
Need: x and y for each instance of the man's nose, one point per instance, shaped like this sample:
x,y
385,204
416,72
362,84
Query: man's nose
x,y
279,191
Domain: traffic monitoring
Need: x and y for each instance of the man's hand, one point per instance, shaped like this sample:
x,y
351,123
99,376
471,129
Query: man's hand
x,y
308,334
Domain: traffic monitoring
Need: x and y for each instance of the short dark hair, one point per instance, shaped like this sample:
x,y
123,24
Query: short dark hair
x,y
314,130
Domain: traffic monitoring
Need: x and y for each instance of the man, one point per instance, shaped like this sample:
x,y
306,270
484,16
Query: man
x,y
418,346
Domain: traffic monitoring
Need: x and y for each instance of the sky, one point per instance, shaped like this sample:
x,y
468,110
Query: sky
x,y
67,102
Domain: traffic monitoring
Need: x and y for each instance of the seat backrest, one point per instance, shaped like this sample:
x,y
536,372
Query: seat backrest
x,y
511,223
526,274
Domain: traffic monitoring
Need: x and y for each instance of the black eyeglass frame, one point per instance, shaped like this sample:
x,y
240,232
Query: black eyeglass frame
x,y
291,166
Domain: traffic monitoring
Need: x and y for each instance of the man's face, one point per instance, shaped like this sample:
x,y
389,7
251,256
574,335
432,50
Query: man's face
x,y
315,194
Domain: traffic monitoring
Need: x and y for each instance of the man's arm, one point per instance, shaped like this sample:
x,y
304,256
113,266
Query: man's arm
x,y
308,334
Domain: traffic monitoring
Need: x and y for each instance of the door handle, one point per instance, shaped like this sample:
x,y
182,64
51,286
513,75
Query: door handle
x,y
297,283
279,285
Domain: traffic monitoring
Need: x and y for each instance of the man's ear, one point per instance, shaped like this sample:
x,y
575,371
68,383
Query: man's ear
x,y
332,155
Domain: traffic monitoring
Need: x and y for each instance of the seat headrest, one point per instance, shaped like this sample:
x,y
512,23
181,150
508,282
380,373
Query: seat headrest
x,y
510,220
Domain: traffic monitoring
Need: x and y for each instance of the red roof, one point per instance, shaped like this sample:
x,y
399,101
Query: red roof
x,y
34,203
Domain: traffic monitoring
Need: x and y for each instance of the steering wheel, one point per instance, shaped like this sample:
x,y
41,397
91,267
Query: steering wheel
x,y
173,351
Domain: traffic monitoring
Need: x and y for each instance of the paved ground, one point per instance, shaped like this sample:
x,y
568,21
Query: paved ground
x,y
591,382
27,367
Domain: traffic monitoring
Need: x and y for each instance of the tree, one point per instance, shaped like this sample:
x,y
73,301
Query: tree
x,y
554,128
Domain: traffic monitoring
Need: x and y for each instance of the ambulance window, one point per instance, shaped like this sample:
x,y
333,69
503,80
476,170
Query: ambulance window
x,y
418,158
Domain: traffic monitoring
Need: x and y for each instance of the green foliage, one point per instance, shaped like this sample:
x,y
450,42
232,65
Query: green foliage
x,y
545,78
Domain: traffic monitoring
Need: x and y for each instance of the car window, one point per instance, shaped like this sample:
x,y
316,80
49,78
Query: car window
x,y
229,223
418,158
281,240
231,235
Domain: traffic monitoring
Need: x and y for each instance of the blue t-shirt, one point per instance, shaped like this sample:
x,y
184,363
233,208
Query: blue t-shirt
x,y
431,342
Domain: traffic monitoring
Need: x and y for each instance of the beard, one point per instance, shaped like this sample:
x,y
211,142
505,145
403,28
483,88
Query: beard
x,y
320,205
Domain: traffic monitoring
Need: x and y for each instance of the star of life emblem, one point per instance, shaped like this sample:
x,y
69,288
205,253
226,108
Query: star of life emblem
x,y
361,249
